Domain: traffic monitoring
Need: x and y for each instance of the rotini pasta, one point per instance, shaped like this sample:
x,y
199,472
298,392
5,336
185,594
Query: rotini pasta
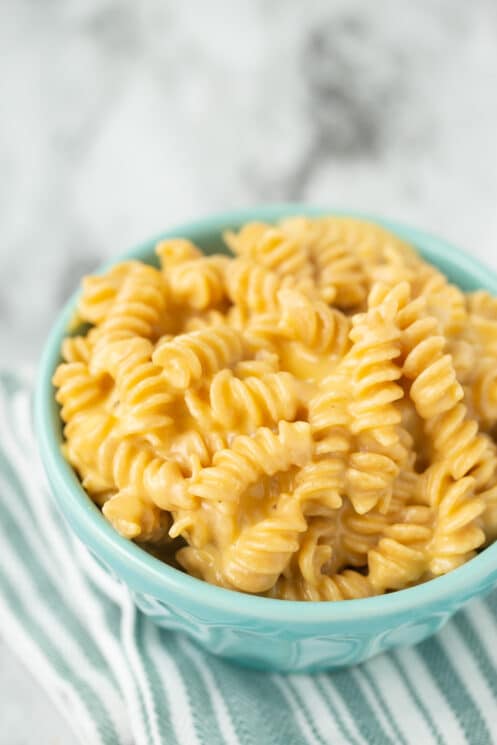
x,y
482,304
322,329
340,275
78,390
198,283
311,419
375,419
174,251
187,357
272,248
445,301
254,289
255,560
249,457
142,393
346,585
456,534
76,349
99,292
139,308
243,405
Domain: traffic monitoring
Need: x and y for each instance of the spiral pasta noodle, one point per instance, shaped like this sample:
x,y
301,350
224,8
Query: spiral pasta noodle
x,y
271,248
456,533
254,562
312,418
249,457
346,585
341,277
254,289
78,390
198,283
175,251
435,387
483,304
317,551
77,349
329,414
143,392
139,308
99,292
187,357
322,329
375,419
246,404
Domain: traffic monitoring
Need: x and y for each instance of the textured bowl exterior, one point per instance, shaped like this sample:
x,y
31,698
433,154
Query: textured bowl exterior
x,y
303,649
252,631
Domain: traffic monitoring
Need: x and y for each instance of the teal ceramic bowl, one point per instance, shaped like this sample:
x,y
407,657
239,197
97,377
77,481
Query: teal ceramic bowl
x,y
255,631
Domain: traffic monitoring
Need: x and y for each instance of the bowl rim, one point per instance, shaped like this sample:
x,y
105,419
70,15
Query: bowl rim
x,y
157,578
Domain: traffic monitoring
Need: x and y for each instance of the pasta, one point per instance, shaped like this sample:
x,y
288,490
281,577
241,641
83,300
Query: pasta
x,y
456,532
273,249
244,405
198,283
76,349
187,357
254,289
249,457
311,419
139,309
141,390
346,585
375,419
78,390
333,247
99,292
322,329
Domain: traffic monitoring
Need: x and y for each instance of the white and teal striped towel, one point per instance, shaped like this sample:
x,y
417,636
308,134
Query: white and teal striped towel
x,y
120,680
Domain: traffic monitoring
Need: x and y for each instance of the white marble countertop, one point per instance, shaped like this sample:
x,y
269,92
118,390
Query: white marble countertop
x,y
123,118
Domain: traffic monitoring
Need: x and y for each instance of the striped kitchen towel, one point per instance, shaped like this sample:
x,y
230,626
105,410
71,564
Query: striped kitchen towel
x,y
120,680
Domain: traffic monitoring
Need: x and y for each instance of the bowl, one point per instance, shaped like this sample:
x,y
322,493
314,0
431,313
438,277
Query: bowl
x,y
254,631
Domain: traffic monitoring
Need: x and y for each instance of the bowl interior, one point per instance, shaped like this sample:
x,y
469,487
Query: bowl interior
x,y
147,574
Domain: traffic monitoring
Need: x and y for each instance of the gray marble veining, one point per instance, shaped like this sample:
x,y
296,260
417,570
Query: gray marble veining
x,y
121,118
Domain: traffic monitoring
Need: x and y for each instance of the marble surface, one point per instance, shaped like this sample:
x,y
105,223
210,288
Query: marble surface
x,y
122,118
